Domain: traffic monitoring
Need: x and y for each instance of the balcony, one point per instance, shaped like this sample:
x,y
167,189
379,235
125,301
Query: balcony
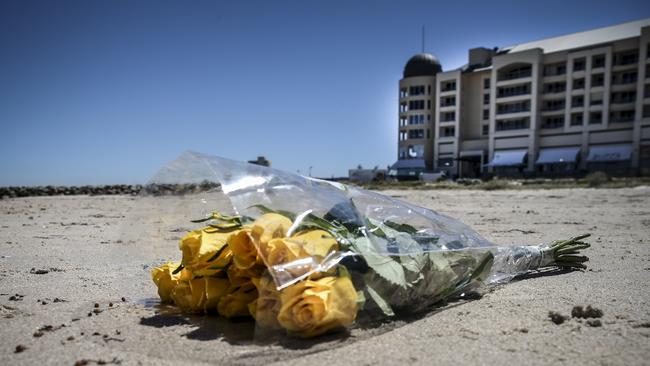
x,y
502,111
516,74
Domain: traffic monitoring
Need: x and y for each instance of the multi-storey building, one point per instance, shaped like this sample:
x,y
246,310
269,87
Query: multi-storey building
x,y
579,102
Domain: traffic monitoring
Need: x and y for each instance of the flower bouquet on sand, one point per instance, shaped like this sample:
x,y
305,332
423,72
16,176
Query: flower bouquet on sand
x,y
307,256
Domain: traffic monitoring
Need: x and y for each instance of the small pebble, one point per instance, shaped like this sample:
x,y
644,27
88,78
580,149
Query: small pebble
x,y
20,348
594,323
556,317
96,305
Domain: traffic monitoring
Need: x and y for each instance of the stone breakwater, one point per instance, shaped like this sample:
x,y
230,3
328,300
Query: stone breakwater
x,y
114,189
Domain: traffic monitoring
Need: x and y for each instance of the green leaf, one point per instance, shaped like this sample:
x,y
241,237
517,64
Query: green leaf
x,y
383,265
381,303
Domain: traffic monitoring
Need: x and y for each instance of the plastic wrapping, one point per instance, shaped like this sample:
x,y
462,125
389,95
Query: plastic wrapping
x,y
310,256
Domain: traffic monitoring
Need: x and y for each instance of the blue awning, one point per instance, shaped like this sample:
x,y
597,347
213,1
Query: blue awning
x,y
508,158
609,153
558,155
409,164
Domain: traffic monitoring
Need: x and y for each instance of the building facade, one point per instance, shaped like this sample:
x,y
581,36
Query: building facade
x,y
558,106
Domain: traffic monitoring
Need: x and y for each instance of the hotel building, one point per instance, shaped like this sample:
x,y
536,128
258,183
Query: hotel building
x,y
562,105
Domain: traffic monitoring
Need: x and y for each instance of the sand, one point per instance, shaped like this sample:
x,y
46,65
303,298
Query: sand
x,y
67,262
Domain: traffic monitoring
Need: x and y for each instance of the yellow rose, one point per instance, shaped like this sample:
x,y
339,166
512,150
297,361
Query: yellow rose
x,y
199,295
244,252
235,302
215,289
282,250
238,276
299,254
269,226
205,253
166,281
310,308
318,243
190,295
266,307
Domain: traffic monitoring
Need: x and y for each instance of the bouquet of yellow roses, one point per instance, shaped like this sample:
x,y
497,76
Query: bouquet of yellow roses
x,y
307,256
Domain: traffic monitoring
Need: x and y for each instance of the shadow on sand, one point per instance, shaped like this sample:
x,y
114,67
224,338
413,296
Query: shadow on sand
x,y
243,331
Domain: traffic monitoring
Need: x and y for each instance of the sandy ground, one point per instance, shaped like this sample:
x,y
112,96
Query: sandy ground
x,y
59,256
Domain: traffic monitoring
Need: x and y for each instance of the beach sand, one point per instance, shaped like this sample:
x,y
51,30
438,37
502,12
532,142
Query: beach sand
x,y
67,263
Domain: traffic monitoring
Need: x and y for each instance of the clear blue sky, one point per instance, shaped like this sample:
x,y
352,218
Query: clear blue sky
x,y
96,92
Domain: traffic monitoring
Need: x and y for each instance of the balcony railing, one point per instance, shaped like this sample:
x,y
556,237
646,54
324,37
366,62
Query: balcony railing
x,y
553,107
518,74
513,110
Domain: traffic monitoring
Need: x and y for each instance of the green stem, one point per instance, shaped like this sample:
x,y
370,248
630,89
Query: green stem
x,y
564,252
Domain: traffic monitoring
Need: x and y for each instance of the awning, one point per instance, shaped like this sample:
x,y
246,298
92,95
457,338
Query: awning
x,y
558,155
409,164
609,153
508,158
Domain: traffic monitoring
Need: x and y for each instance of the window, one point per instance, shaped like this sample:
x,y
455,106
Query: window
x,y
515,107
485,130
402,136
447,131
403,107
447,101
486,98
428,89
597,80
403,93
516,73
578,84
626,57
428,104
486,83
416,151
595,118
553,105
553,122
486,114
416,119
402,121
402,152
557,87
416,90
447,116
448,86
511,91
576,119
623,97
621,116
596,99
597,61
416,134
555,69
428,133
579,64
624,77
416,104
428,118
512,124
577,101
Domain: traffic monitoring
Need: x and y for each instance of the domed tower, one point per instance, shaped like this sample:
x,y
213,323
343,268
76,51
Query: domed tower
x,y
416,118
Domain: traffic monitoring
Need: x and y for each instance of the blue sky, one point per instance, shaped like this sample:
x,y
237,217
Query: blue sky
x,y
95,92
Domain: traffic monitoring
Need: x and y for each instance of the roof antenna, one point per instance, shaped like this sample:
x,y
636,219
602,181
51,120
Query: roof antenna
x,y
423,38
